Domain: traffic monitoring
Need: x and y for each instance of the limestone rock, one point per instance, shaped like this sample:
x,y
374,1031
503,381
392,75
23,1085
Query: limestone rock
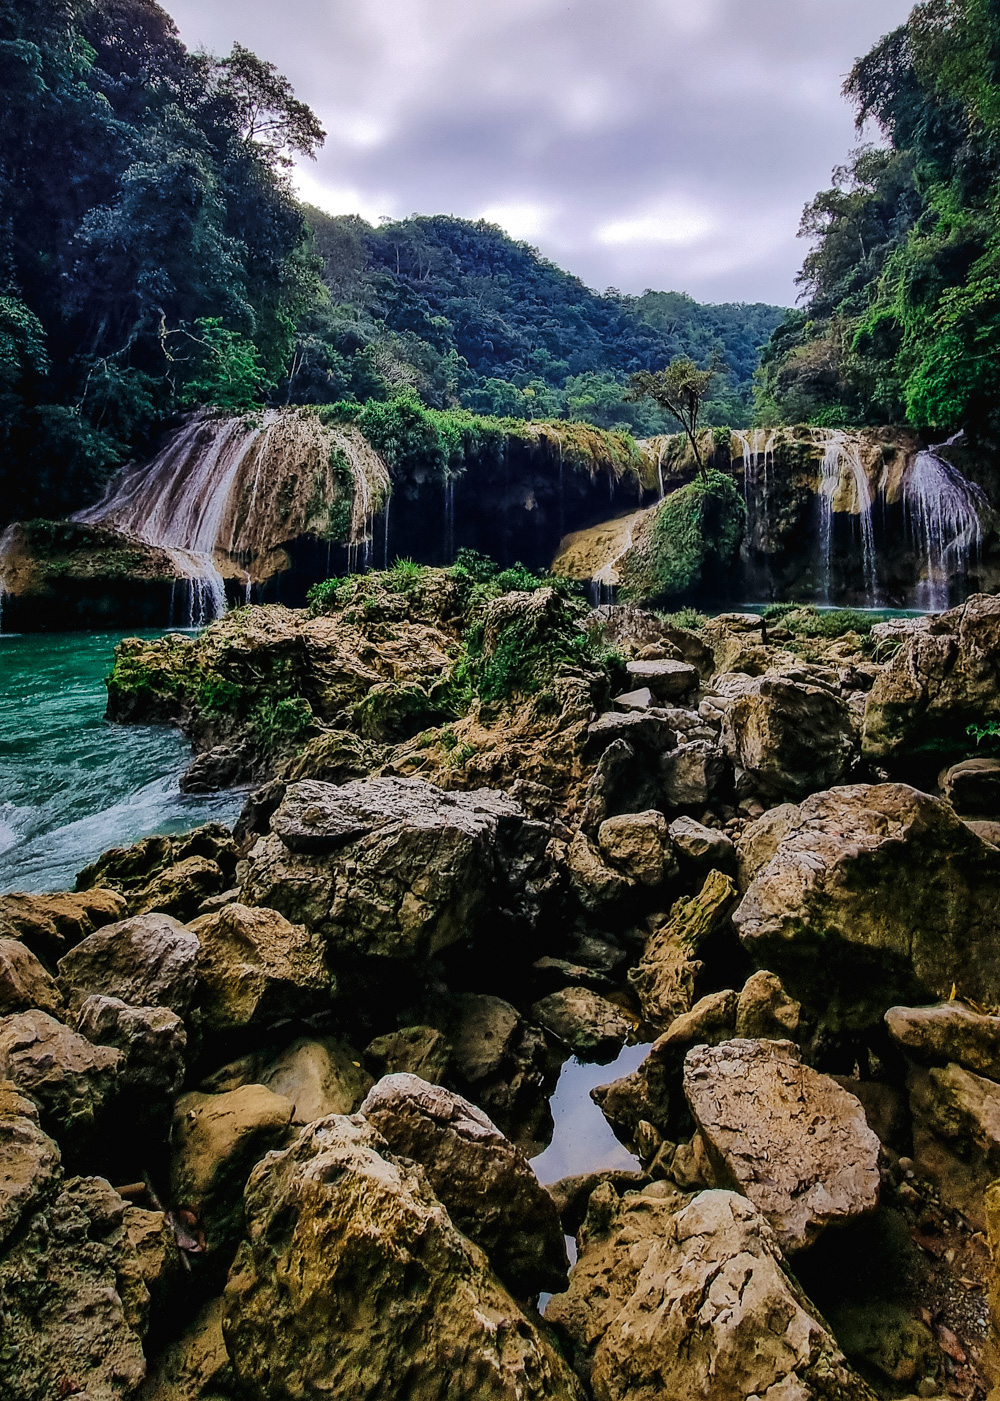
x,y
694,1303
413,1050
702,848
626,779
255,969
597,885
664,977
393,867
956,1135
945,677
195,1366
70,1080
756,1103
951,1031
73,1301
973,787
642,699
639,845
648,731
668,680
216,1141
153,1043
869,895
29,1160
149,960
51,924
694,775
386,1297
788,738
157,1254
318,1078
180,889
765,1011
24,983
486,1183
503,1064
594,1028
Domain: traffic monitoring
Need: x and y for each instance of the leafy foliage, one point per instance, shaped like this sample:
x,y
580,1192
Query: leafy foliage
x,y
691,542
902,313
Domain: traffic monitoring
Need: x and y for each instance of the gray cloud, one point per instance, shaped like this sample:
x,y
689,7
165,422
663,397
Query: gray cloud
x,y
639,143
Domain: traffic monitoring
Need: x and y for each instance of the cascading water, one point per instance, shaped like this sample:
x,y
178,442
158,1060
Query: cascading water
x,y
843,471
239,488
943,513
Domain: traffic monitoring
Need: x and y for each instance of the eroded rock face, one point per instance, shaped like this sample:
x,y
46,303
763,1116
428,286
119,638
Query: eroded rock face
x,y
195,1366
71,1080
390,868
868,895
355,1283
153,1045
664,977
691,1300
255,969
787,738
956,1135
973,787
318,1077
754,1103
149,961
29,1160
74,1301
503,1064
24,983
639,845
944,677
486,1183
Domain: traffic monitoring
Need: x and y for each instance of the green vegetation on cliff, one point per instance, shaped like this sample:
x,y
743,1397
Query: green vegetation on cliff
x,y
902,315
689,544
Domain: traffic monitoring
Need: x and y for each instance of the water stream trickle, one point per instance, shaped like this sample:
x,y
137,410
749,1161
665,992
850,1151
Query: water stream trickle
x,y
842,469
943,513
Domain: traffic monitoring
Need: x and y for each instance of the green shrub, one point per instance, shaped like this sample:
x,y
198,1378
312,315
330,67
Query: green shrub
x,y
987,736
695,534
217,693
684,618
324,596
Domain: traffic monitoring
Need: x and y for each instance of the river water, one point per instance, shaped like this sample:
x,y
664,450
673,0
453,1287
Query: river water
x,y
71,785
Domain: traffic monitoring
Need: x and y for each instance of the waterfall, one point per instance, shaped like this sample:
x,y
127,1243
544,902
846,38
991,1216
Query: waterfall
x,y
943,514
241,487
842,468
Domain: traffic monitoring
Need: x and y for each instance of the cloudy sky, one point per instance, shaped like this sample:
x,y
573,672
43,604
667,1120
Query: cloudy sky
x,y
638,143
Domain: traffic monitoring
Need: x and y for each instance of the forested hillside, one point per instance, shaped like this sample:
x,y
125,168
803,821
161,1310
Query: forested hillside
x,y
153,258
466,314
902,307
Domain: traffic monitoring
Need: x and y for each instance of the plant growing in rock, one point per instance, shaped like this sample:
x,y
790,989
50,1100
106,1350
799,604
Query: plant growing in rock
x,y
682,389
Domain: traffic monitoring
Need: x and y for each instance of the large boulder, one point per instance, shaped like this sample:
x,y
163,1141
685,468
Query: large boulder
x,y
756,1103
944,678
153,1046
787,738
973,787
355,1284
950,1031
593,1028
149,960
390,867
74,1301
639,845
72,1081
216,1141
487,1184
871,895
255,969
51,924
675,1298
318,1077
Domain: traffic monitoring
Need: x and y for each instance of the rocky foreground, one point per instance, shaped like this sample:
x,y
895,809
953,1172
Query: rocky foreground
x,y
268,1097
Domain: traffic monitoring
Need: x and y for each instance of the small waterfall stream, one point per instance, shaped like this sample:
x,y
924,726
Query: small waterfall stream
x,y
843,472
943,513
240,487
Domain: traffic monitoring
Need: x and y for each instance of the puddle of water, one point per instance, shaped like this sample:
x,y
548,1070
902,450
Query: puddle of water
x,y
582,1140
